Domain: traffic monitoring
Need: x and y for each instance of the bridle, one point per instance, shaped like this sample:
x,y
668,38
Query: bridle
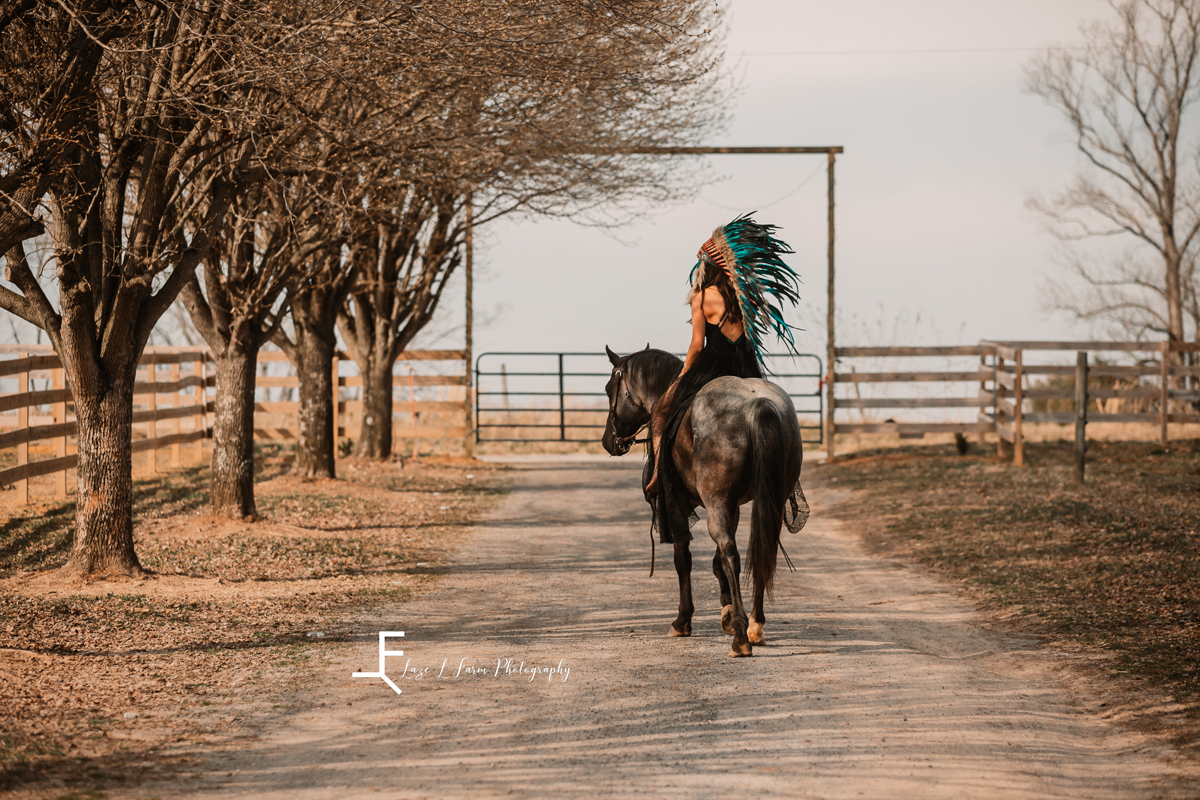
x,y
621,443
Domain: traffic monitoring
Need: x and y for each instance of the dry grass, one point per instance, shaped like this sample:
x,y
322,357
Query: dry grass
x,y
1112,566
104,683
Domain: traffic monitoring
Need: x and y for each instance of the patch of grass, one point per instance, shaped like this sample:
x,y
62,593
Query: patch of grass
x,y
1113,564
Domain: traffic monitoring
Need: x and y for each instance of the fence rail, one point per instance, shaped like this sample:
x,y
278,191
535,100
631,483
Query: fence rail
x,y
55,432
559,396
175,385
1012,392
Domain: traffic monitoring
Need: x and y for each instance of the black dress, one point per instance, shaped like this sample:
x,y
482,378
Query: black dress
x,y
720,357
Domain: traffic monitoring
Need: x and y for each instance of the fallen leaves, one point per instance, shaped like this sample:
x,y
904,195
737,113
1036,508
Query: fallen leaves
x,y
104,683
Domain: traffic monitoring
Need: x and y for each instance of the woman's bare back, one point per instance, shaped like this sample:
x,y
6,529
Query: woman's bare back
x,y
713,306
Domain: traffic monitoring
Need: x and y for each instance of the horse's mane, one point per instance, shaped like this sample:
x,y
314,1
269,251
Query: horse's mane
x,y
656,368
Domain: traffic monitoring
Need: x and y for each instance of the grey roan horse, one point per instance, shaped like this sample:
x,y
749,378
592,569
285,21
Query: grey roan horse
x,y
739,442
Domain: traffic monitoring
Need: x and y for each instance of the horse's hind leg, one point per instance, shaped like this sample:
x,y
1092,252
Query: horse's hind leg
x,y
719,571
726,598
722,525
757,620
682,626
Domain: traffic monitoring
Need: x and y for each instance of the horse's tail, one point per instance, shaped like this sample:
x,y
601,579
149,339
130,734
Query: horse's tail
x,y
767,491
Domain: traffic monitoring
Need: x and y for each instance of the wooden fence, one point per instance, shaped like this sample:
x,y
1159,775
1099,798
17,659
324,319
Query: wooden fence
x,y
424,418
1005,386
44,418
909,377
173,403
1010,386
1169,399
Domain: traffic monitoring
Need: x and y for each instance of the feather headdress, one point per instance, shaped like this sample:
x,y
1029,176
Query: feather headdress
x,y
750,255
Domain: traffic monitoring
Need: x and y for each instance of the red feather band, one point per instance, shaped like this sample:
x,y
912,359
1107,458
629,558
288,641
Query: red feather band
x,y
710,252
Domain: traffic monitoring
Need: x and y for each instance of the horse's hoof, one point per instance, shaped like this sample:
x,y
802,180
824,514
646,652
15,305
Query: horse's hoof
x,y
727,620
743,650
687,631
755,633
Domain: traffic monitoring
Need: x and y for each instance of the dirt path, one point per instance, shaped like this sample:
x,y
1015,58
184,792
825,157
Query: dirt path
x,y
875,681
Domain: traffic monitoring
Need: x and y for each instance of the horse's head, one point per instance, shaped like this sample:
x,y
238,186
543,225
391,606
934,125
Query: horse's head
x,y
625,413
637,381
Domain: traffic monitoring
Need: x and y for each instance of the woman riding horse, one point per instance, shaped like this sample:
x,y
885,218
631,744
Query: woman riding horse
x,y
738,273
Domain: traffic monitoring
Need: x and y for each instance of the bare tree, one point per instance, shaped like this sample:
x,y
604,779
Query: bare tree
x,y
145,132
541,120
1128,96
323,275
148,101
267,242
365,103
119,188
317,293
237,309
407,252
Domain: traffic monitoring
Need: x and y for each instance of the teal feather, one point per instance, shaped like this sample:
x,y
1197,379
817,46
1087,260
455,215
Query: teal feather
x,y
762,281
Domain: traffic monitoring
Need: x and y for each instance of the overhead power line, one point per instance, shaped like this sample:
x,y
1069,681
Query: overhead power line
x,y
931,51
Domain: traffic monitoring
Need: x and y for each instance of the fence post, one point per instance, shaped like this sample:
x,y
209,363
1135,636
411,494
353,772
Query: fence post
x,y
23,425
59,382
200,371
983,390
1165,376
1001,396
830,425
336,397
469,330
830,317
152,379
175,419
562,408
412,404
1018,409
1081,399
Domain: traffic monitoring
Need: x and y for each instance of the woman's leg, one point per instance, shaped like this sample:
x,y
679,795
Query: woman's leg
x,y
658,422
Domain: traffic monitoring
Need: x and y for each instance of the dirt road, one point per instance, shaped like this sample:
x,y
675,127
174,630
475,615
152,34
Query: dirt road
x,y
875,681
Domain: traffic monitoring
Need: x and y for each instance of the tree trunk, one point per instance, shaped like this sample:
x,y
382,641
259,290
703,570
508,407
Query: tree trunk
x,y
316,449
375,440
232,487
1174,298
104,518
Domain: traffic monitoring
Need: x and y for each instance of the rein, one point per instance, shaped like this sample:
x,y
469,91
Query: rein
x,y
623,443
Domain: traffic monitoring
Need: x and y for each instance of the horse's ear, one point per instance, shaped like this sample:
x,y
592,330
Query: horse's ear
x,y
613,357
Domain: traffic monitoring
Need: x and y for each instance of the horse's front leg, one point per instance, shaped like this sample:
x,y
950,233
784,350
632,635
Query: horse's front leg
x,y
682,626
722,526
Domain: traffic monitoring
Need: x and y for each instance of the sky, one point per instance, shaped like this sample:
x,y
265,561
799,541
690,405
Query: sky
x,y
934,243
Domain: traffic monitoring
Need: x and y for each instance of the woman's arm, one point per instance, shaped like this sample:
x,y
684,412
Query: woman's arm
x,y
698,323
